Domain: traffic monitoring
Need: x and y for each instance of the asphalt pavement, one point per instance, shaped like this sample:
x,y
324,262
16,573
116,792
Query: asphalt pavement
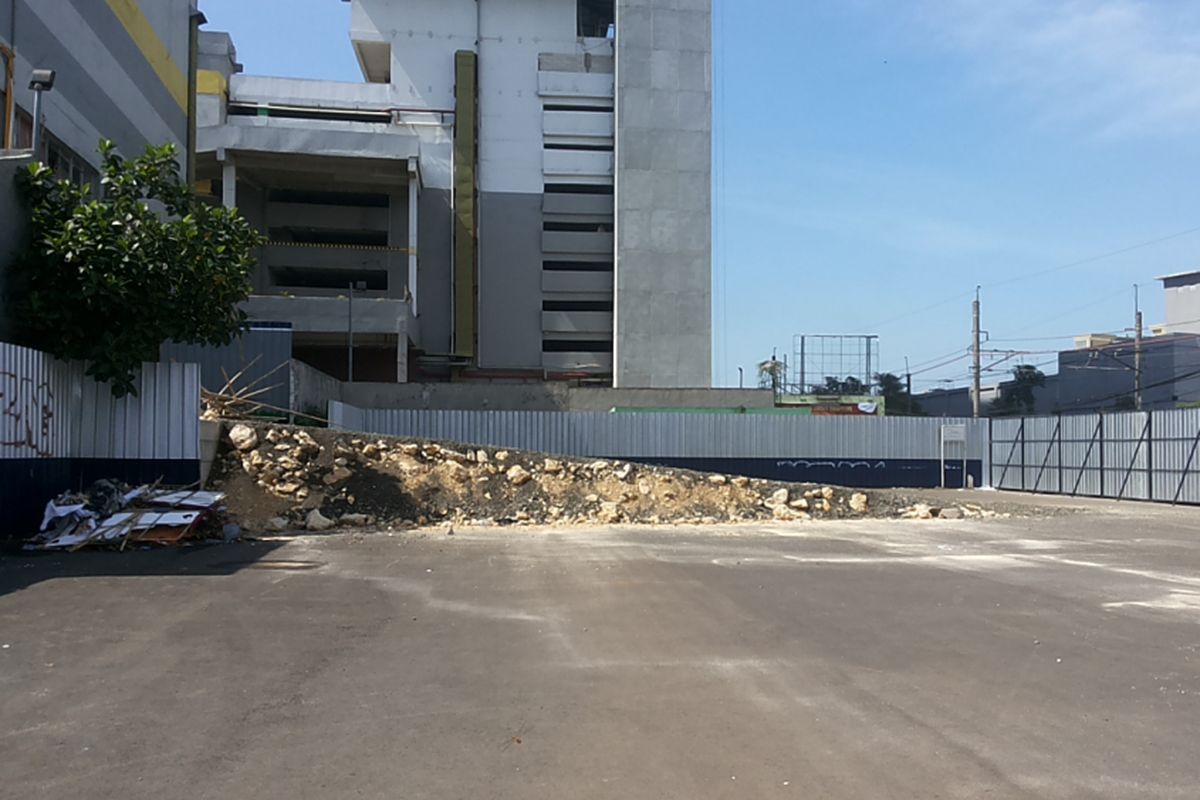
x,y
1034,658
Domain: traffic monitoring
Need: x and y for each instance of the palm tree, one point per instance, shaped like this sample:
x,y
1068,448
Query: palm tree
x,y
770,374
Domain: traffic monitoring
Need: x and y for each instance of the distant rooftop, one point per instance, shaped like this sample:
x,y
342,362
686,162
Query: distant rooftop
x,y
1178,276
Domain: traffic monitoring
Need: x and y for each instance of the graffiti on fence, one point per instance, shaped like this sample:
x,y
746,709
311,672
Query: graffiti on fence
x,y
26,409
806,464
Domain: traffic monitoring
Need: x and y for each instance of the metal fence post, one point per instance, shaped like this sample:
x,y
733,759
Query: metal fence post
x,y
1021,433
1150,455
1058,428
1100,432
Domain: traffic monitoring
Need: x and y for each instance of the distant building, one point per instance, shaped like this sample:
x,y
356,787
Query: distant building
x,y
123,71
519,188
1182,295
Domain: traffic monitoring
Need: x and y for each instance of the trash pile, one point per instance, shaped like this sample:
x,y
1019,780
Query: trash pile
x,y
114,515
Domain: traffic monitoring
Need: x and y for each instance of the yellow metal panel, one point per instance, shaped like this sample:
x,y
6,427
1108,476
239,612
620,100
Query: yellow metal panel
x,y
210,81
152,47
465,231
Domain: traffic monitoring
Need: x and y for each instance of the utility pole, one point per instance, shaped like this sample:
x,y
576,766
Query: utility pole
x,y
1137,349
908,382
975,354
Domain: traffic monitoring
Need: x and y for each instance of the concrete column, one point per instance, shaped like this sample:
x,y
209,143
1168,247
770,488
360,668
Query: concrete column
x,y
402,352
414,187
229,183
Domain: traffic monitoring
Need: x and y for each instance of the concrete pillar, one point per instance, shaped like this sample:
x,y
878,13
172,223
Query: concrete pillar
x,y
229,183
414,187
402,352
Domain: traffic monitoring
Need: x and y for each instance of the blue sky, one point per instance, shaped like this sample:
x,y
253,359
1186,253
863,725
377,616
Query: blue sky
x,y
875,161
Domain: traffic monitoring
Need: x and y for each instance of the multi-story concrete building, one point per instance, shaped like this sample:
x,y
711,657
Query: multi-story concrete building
x,y
123,72
519,188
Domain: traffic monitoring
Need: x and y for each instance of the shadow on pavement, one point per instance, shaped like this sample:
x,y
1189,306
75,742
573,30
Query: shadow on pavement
x,y
22,569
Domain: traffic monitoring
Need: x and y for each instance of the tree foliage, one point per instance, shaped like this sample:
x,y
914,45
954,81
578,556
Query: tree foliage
x,y
1018,396
894,391
770,374
108,279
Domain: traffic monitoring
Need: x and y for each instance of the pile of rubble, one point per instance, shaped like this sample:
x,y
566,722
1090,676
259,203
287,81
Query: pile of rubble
x,y
964,511
111,514
286,478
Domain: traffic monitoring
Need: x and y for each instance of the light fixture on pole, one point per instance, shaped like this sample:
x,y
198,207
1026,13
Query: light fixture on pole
x,y
360,286
40,81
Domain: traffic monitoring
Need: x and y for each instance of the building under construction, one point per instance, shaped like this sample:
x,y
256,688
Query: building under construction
x,y
518,189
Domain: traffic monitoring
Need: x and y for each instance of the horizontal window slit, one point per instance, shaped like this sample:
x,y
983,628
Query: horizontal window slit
x,y
577,266
588,109
577,305
582,148
577,188
576,346
578,227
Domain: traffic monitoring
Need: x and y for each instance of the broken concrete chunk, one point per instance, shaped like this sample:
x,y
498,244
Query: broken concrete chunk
x,y
779,497
481,456
827,492
552,466
741,481
609,513
858,503
950,513
243,437
337,475
624,471
517,475
799,504
277,524
355,520
455,471
316,521
717,480
502,455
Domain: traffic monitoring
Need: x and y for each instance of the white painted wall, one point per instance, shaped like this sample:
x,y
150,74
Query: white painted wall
x,y
508,35
424,34
510,110
1183,308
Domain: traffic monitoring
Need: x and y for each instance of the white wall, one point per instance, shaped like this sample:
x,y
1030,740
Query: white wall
x,y
1183,308
514,32
424,35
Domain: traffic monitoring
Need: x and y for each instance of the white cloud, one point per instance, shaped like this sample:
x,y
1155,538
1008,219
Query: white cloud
x,y
1118,68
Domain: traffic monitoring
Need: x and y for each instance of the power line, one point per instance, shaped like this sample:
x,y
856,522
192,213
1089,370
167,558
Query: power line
x,y
1038,273
1093,259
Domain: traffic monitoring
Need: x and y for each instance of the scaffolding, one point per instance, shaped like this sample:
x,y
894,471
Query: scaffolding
x,y
825,364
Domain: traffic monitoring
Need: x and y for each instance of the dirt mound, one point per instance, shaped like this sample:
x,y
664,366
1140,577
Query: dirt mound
x,y
276,477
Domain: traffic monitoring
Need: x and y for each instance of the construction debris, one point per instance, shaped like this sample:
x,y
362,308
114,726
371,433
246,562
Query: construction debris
x,y
112,514
296,478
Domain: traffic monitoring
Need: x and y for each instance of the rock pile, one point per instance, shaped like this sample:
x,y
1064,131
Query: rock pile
x,y
296,478
965,511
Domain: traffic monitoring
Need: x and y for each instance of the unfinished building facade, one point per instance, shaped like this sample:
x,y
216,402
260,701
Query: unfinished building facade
x,y
519,189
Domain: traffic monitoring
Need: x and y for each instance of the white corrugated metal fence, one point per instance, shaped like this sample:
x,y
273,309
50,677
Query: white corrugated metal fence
x,y
676,435
51,409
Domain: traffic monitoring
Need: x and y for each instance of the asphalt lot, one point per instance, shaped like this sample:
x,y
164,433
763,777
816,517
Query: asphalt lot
x,y
1047,658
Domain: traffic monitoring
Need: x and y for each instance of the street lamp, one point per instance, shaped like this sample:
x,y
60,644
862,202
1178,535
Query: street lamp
x,y
40,80
360,286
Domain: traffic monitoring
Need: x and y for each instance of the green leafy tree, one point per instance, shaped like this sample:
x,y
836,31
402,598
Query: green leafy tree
x,y
1018,396
108,279
894,391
